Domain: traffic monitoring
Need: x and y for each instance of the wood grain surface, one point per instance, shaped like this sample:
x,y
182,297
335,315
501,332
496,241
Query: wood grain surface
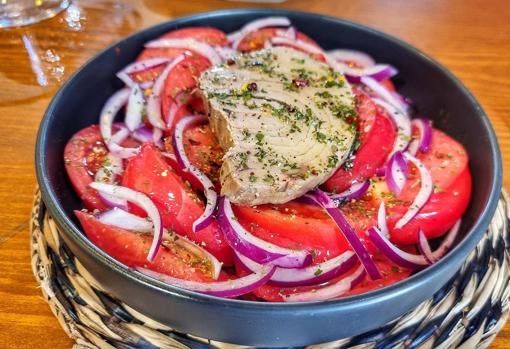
x,y
470,37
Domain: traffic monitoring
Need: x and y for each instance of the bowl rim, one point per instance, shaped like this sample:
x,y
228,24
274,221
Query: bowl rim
x,y
375,296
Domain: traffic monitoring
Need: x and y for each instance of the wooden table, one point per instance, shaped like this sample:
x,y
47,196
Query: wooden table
x,y
470,37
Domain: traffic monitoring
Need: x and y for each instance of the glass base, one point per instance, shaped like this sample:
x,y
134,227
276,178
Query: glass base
x,y
15,13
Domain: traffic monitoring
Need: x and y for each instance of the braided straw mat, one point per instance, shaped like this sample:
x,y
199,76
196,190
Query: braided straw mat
x,y
466,313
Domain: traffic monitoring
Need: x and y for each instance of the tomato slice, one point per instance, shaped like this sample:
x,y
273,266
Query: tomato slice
x,y
255,41
83,155
447,162
178,205
183,78
390,273
376,136
131,248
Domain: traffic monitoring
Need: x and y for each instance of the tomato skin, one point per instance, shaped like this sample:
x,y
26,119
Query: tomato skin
x,y
83,155
179,206
377,136
255,41
131,248
183,77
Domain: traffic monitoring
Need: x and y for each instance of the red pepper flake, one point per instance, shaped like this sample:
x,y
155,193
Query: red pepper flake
x,y
300,83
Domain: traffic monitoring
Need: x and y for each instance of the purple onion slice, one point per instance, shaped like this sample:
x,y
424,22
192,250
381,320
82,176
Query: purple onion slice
x,y
199,47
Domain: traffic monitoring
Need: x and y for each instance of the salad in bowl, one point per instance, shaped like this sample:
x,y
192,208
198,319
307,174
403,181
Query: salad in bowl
x,y
258,166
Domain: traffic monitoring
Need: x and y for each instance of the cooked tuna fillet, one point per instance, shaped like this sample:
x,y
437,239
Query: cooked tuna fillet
x,y
282,119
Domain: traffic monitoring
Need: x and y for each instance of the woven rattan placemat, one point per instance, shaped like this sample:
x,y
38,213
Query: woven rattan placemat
x,y
466,313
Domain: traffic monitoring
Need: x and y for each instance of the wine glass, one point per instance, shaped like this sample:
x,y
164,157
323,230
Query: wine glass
x,y
15,13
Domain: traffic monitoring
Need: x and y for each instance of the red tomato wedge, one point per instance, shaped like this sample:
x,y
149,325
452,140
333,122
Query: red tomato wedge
x,y
131,248
376,136
208,35
179,206
447,163
183,78
255,41
83,155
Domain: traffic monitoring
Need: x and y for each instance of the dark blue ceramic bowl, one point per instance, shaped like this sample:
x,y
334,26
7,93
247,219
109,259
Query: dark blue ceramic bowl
x,y
437,94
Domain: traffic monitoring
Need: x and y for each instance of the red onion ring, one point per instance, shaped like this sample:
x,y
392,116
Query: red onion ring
x,y
358,57
396,255
396,172
109,171
154,98
135,107
311,275
141,201
402,123
176,104
254,248
425,136
139,67
208,187
122,219
378,72
357,190
116,149
382,92
447,242
381,220
193,45
237,37
423,195
424,247
323,200
289,33
303,45
330,291
110,110
227,289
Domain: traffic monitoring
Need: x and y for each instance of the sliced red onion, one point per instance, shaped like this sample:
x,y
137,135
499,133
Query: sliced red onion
x,y
402,122
289,33
227,289
125,220
225,53
378,72
396,255
380,172
396,172
120,151
426,188
325,202
330,291
177,102
447,242
237,37
139,67
358,57
254,248
311,275
199,47
109,171
422,143
381,220
110,110
356,191
424,247
143,134
382,92
141,201
134,111
154,98
303,45
210,194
